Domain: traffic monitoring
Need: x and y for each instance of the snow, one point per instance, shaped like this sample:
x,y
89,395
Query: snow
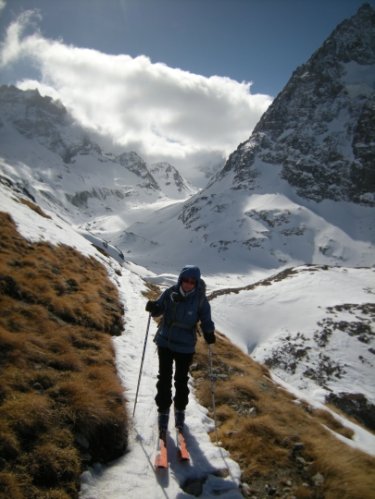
x,y
261,319
244,231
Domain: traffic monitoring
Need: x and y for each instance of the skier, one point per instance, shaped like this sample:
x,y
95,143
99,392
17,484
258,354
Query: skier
x,y
182,307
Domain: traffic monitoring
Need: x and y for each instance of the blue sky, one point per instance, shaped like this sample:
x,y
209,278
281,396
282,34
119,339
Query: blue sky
x,y
262,41
178,80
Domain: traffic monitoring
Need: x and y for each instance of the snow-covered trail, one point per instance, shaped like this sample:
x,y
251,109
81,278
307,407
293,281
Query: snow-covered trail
x,y
134,473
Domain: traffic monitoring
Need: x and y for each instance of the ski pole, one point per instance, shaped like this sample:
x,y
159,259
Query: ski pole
x,y
143,358
212,391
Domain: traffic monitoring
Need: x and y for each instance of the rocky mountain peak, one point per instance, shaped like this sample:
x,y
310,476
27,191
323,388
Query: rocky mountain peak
x,y
320,129
46,121
12,99
135,164
170,180
354,37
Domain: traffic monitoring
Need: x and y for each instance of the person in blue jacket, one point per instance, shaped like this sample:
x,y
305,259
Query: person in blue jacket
x,y
182,306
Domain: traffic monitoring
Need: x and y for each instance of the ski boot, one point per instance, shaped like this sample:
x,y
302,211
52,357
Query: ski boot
x,y
163,419
179,419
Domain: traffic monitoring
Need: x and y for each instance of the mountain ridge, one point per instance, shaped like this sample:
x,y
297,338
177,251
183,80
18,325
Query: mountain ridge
x,y
278,201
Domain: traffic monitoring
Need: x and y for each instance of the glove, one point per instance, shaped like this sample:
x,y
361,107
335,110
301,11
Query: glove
x,y
152,307
210,337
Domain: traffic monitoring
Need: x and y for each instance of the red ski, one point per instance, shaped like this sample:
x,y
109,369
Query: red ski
x,y
182,449
161,459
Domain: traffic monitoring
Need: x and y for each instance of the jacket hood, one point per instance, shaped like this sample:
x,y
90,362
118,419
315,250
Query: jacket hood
x,y
190,272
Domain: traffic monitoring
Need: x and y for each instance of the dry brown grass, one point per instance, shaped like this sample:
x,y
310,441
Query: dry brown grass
x,y
61,403
33,207
280,443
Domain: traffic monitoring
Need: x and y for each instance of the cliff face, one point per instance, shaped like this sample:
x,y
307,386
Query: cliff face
x,y
321,128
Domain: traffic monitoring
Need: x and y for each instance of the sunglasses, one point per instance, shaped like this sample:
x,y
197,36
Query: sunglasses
x,y
189,281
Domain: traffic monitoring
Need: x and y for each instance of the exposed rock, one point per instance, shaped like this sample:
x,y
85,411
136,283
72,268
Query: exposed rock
x,y
318,480
355,405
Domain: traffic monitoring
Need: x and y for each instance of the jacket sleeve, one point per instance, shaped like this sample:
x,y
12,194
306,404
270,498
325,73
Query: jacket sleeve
x,y
204,316
159,305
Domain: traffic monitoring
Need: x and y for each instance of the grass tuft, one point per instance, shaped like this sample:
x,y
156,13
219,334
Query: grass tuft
x,y
33,207
10,487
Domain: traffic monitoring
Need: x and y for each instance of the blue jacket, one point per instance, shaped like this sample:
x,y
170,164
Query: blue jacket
x,y
177,330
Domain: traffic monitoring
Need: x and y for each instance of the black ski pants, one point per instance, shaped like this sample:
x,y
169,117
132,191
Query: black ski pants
x,y
182,363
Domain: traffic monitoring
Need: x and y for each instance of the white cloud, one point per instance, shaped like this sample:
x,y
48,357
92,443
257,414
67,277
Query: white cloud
x,y
162,112
2,5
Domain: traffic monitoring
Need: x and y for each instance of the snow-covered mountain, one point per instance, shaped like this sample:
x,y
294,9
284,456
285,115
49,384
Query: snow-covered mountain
x,y
299,191
62,166
170,180
320,129
302,188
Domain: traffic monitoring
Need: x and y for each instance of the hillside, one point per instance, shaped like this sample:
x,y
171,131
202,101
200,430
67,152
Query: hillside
x,y
286,450
61,403
284,446
320,336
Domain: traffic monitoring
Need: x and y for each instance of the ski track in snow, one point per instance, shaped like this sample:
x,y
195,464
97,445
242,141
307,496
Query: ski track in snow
x,y
135,472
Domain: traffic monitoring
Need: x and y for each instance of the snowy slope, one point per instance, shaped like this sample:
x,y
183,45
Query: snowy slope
x,y
270,229
313,326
